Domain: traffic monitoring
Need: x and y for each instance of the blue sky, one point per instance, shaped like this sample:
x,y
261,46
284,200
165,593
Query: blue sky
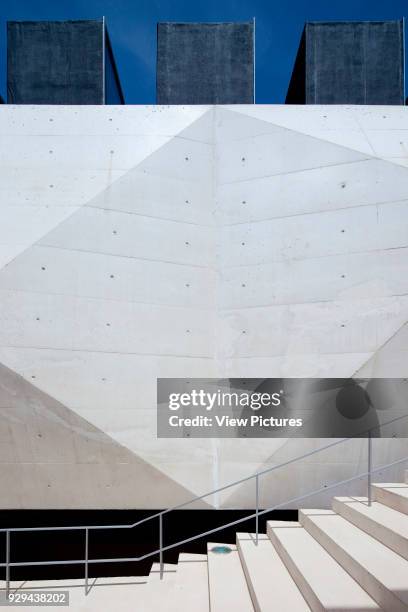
x,y
132,28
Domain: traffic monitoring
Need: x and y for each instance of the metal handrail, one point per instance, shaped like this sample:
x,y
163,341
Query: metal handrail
x,y
200,497
179,506
187,503
86,561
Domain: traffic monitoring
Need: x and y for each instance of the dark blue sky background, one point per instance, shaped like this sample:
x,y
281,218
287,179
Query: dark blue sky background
x,y
132,28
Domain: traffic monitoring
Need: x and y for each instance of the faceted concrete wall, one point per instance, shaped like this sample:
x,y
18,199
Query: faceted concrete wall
x,y
137,242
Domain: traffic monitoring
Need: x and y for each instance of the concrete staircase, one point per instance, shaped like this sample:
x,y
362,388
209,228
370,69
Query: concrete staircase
x,y
351,558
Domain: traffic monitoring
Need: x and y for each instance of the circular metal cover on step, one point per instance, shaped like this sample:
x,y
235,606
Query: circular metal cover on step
x,y
221,550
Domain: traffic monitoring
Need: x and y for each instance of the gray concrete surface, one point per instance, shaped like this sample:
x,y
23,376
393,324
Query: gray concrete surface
x,y
205,63
349,62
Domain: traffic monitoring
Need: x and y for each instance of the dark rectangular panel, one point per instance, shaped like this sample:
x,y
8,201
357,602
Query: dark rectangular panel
x,y
349,63
205,63
55,62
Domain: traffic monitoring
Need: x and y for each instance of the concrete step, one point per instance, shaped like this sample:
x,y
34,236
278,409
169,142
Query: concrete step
x,y
158,595
108,594
323,582
190,588
379,570
392,494
269,582
75,583
169,570
383,523
227,583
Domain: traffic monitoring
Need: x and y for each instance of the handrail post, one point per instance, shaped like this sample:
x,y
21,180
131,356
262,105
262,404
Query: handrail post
x,y
86,559
257,509
370,467
7,564
161,545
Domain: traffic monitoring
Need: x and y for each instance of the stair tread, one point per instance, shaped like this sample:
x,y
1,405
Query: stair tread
x,y
386,566
104,596
331,585
169,570
380,513
272,586
398,488
228,586
392,494
190,587
191,557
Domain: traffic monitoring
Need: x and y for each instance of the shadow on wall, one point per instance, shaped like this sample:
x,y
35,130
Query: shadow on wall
x,y
338,407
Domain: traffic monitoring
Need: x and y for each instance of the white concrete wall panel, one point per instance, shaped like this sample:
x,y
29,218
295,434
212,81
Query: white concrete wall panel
x,y
289,365
88,275
356,230
278,153
29,187
358,326
47,120
105,231
102,383
169,198
311,191
67,153
391,359
347,276
356,127
137,242
54,321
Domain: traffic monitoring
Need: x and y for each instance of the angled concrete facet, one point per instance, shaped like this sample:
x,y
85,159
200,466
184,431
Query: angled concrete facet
x,y
141,242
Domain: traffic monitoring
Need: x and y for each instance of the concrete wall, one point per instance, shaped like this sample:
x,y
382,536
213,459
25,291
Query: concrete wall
x,y
346,62
205,63
60,62
137,242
